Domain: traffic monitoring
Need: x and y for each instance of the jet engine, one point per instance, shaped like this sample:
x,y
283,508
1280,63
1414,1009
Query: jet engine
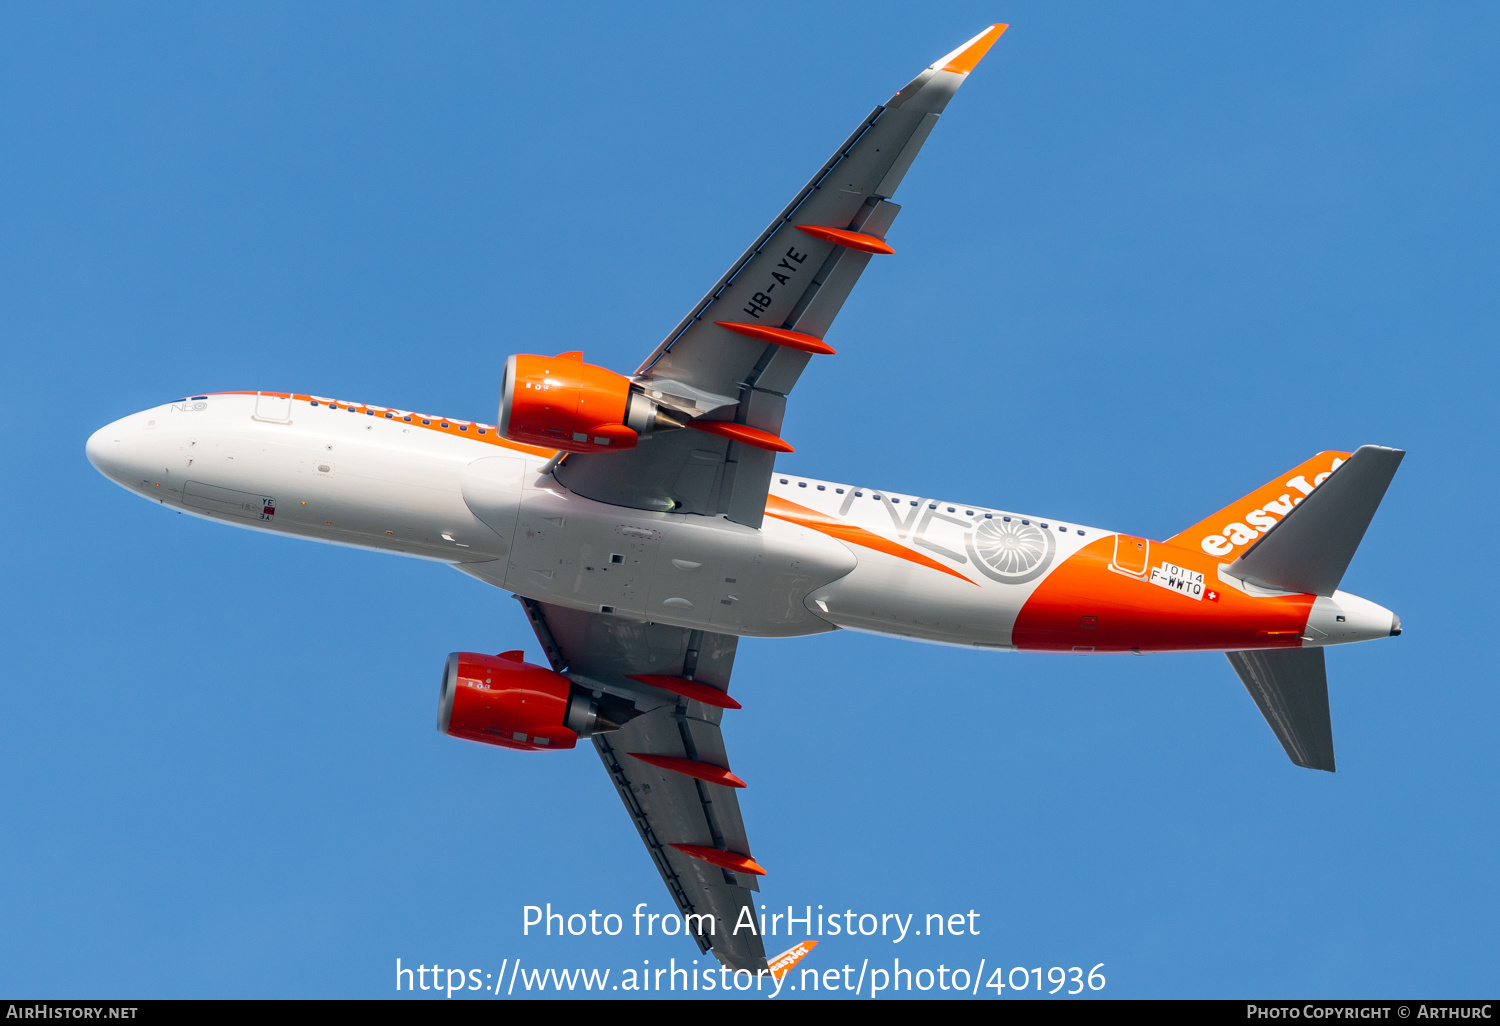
x,y
563,403
501,700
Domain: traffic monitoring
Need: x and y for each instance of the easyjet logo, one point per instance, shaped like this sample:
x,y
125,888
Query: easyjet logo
x,y
1253,523
782,963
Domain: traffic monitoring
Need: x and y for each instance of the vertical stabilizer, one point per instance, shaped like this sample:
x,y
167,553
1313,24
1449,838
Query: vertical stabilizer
x,y
1246,519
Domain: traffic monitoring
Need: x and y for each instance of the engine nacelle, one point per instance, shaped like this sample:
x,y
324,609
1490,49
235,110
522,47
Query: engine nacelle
x,y
501,700
560,402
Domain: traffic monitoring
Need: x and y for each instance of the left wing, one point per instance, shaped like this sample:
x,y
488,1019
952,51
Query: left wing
x,y
737,354
669,764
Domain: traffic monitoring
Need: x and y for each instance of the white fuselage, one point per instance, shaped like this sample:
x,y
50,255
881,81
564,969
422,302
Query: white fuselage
x,y
453,491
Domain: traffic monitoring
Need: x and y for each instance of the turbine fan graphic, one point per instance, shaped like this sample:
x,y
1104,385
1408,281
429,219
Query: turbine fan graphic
x,y
1011,551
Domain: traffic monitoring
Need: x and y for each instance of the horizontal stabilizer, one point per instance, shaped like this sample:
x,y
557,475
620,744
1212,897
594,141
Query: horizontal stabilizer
x,y
1309,549
1290,686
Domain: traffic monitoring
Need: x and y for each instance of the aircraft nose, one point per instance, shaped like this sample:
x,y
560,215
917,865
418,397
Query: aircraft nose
x,y
112,451
102,449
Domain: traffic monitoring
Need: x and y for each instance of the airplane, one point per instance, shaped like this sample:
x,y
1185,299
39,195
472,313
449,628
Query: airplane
x,y
642,524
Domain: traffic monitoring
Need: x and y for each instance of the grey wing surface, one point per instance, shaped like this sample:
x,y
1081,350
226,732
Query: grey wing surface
x,y
787,279
667,807
1290,687
1309,550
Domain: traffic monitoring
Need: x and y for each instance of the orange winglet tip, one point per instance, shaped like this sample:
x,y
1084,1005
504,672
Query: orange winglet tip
x,y
729,860
844,237
689,767
742,433
966,57
688,689
783,963
781,336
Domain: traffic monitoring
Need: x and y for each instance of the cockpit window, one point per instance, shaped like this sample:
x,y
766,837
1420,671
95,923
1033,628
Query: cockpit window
x,y
197,397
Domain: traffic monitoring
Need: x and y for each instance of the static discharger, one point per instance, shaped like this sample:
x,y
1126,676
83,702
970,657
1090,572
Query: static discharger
x,y
781,336
849,240
688,689
732,861
705,771
742,433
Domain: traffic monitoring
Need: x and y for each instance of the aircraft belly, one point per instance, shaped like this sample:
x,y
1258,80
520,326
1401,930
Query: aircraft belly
x,y
684,570
886,595
766,576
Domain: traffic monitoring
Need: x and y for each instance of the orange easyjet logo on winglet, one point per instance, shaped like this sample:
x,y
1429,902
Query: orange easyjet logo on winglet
x,y
782,963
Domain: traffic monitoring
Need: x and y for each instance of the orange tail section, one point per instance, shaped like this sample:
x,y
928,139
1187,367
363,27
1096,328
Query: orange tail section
x,y
1231,530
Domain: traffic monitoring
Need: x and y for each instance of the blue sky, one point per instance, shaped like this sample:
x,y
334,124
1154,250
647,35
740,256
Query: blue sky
x,y
1151,257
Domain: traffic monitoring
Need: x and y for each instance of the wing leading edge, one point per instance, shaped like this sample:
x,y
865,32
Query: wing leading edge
x,y
720,361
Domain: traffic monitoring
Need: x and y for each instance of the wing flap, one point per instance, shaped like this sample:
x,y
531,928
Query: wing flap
x,y
665,806
660,804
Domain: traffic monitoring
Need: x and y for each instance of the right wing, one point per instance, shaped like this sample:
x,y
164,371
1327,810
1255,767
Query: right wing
x,y
719,363
1290,687
691,826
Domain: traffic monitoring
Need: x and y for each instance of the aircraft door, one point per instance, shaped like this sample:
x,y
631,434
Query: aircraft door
x,y
1131,555
274,408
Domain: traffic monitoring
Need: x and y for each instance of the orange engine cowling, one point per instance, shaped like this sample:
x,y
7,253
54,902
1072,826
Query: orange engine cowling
x,y
563,403
501,700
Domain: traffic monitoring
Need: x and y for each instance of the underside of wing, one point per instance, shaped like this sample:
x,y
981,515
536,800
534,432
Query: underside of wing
x,y
669,765
736,356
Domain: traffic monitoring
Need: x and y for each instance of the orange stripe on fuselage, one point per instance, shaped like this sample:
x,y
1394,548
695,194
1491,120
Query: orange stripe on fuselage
x,y
486,433
791,512
1132,613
